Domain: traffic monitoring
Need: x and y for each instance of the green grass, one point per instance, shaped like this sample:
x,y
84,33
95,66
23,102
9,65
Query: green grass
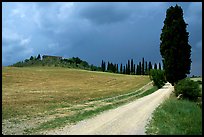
x,y
153,89
61,96
176,117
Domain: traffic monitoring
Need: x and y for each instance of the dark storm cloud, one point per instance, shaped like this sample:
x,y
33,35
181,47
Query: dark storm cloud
x,y
113,31
104,13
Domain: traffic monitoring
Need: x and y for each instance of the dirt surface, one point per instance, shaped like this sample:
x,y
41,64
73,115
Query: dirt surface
x,y
129,119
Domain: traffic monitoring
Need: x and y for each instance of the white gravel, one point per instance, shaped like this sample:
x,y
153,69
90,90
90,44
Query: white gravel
x,y
129,119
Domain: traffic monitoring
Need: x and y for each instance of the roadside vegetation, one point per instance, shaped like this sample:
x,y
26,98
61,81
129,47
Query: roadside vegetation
x,y
179,115
158,77
176,117
35,99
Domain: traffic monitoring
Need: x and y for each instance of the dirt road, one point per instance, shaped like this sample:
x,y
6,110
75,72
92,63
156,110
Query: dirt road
x,y
129,119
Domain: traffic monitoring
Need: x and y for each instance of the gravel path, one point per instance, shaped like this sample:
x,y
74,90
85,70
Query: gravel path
x,y
129,119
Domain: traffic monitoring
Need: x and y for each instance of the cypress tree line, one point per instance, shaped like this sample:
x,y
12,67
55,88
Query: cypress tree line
x,y
130,67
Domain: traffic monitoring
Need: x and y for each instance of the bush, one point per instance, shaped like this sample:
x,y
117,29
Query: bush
x,y
158,77
188,88
199,82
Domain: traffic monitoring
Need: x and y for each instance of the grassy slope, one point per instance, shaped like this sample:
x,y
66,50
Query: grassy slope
x,y
59,92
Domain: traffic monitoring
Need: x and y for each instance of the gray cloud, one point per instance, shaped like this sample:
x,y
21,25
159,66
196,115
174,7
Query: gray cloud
x,y
113,31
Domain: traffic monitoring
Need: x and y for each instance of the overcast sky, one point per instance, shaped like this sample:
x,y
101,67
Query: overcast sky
x,y
112,31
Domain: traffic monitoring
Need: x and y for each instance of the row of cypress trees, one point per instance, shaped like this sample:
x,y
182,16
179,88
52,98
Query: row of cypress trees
x,y
142,68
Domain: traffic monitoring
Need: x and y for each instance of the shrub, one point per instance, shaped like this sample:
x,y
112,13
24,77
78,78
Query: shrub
x,y
158,77
188,88
199,82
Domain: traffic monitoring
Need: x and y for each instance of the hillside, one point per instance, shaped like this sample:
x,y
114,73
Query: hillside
x,y
39,94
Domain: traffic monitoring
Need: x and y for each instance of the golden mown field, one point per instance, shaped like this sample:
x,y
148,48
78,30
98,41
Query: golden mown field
x,y
35,91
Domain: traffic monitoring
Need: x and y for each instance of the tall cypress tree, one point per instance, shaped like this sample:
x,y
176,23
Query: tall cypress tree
x,y
124,71
128,67
142,69
150,66
132,67
155,65
108,67
121,68
116,68
139,69
174,47
103,66
146,68
159,66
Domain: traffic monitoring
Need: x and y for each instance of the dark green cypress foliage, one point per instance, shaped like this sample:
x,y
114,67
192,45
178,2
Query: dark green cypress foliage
x,y
159,66
128,67
137,73
139,69
142,69
132,67
155,66
174,47
150,66
124,71
121,68
146,68
108,67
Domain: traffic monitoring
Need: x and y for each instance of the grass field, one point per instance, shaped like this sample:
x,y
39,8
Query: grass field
x,y
35,98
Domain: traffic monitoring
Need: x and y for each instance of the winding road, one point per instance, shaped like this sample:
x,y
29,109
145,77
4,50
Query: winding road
x,y
129,119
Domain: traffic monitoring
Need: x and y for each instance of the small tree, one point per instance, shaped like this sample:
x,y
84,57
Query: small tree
x,y
31,58
38,57
158,77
